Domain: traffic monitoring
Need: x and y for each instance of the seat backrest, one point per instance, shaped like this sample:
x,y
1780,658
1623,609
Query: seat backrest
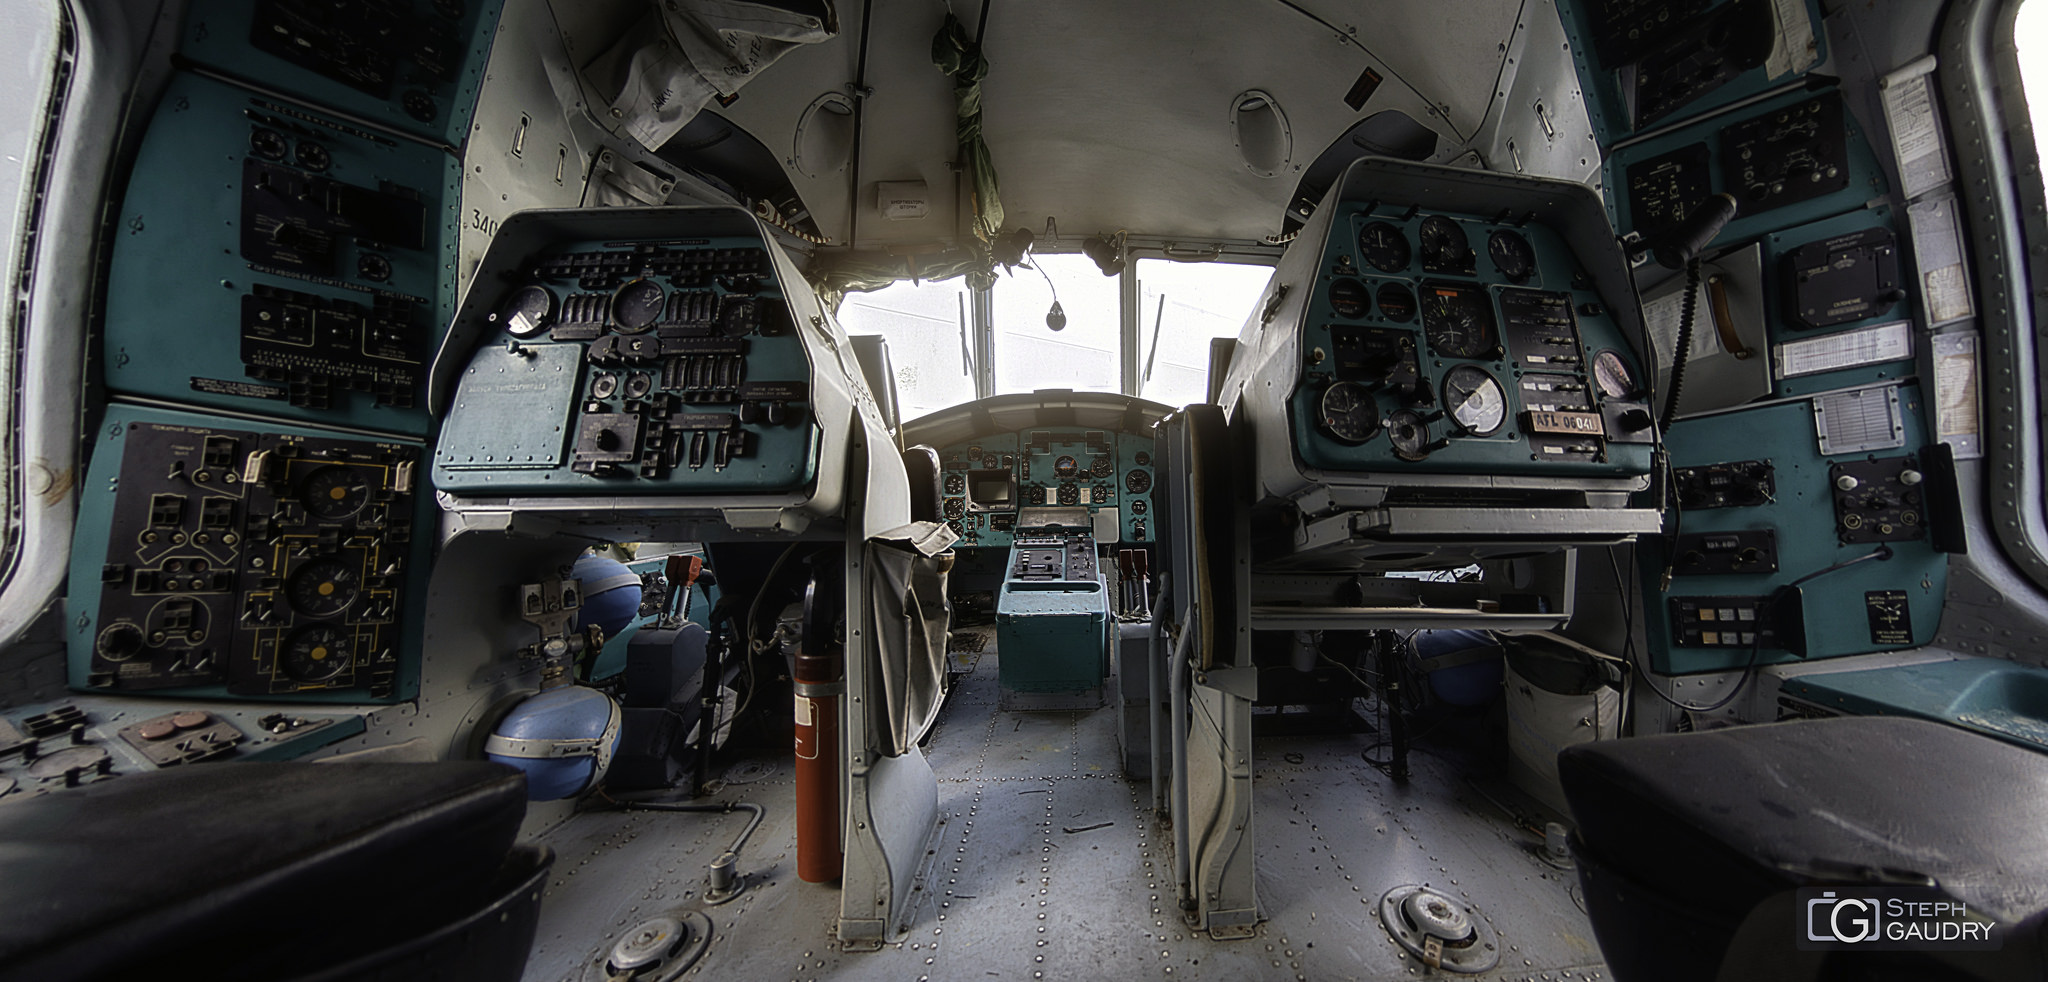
x,y
926,494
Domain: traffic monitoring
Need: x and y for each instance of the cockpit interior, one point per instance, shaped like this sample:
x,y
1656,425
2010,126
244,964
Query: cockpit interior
x,y
621,491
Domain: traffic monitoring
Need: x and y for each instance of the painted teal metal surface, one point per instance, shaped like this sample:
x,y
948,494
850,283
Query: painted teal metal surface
x,y
1996,698
181,272
89,551
1803,514
1508,450
412,65
1053,633
1778,285
1607,102
1866,177
516,393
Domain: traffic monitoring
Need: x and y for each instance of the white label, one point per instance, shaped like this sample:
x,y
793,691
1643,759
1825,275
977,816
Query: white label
x,y
805,715
1956,418
1793,50
1908,96
1938,249
1662,316
1833,352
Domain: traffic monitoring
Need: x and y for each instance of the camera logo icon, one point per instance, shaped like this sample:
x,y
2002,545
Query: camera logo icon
x,y
1846,920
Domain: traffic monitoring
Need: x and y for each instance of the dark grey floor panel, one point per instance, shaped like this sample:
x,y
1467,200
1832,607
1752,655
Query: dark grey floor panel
x,y
1048,865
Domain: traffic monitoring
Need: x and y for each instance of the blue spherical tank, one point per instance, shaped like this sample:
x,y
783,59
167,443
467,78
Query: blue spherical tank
x,y
611,594
562,738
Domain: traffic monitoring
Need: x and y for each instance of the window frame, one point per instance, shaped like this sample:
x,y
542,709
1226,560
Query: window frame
x,y
1996,159
101,57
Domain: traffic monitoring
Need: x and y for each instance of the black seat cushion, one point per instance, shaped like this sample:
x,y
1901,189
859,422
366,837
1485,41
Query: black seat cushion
x,y
1713,818
927,494
247,870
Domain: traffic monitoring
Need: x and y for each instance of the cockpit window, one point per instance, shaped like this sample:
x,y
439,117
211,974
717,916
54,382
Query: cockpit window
x,y
1181,308
28,75
2030,37
929,327
1073,347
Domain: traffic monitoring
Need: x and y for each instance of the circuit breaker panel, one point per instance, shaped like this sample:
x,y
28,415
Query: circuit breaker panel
x,y
273,564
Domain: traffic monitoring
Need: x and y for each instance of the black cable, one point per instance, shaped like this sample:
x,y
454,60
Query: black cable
x,y
1682,347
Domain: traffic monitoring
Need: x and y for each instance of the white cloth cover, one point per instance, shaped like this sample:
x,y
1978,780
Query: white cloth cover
x,y
683,53
910,617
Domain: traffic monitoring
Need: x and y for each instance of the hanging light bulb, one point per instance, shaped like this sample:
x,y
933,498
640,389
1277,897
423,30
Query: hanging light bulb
x,y
1056,319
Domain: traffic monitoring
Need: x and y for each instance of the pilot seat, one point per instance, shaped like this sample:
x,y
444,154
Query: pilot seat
x,y
1692,848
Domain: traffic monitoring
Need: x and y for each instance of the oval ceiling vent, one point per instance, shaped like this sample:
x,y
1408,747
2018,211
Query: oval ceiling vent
x,y
824,135
1259,128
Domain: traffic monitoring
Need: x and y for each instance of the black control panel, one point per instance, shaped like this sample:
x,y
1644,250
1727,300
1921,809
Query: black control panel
x,y
1735,551
1796,153
1741,484
1054,558
1664,189
1879,500
273,564
1746,622
1844,278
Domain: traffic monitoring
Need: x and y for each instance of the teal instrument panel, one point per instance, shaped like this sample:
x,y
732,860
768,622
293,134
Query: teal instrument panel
x,y
276,259
642,366
410,65
1870,606
1463,344
1066,476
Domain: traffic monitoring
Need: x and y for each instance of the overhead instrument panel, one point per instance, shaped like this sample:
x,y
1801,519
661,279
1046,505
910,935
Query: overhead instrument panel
x,y
644,353
274,564
1488,368
1007,466
412,65
279,260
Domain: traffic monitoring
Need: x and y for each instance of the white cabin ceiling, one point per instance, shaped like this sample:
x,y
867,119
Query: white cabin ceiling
x,y
1106,116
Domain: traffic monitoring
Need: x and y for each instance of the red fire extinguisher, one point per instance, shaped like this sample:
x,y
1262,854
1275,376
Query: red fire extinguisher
x,y
820,683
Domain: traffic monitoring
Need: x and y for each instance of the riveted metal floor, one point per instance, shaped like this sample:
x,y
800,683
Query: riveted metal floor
x,y
1048,865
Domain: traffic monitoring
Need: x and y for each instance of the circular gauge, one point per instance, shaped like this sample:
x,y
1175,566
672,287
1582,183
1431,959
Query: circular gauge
x,y
1138,507
1350,298
1475,400
1142,458
1458,320
956,484
1397,303
316,654
1103,466
324,587
371,266
1409,434
1102,494
313,156
120,642
956,507
1065,467
1444,247
1070,495
988,462
1611,374
1511,255
637,305
267,143
1349,413
1034,496
525,313
1384,247
335,492
1138,482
